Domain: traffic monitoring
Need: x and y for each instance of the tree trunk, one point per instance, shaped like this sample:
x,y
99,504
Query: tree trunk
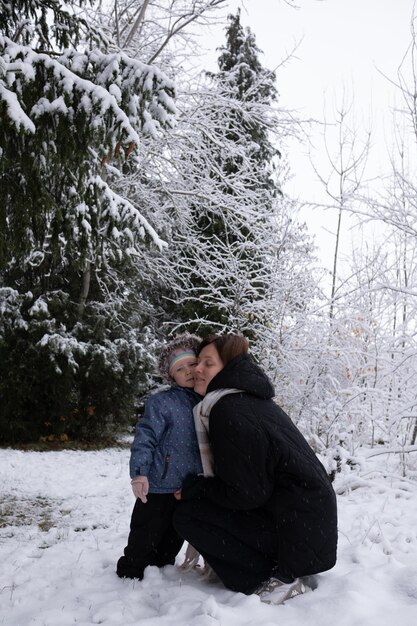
x,y
84,289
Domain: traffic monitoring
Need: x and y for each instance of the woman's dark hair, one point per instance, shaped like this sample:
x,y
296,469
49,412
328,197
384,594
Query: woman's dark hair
x,y
228,346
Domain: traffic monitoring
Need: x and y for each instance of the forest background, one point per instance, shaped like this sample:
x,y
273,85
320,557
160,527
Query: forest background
x,y
140,198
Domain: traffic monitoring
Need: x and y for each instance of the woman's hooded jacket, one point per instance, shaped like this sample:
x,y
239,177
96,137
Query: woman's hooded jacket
x,y
262,461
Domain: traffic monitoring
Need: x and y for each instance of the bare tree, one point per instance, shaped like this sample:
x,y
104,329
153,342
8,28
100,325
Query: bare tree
x,y
156,31
346,156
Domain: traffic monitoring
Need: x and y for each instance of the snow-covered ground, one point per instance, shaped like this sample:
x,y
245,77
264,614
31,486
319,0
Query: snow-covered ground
x,y
64,520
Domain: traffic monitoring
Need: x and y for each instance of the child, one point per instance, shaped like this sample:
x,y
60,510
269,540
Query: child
x,y
164,451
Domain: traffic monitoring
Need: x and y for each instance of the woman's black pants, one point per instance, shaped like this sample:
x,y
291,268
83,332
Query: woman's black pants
x,y
153,539
240,546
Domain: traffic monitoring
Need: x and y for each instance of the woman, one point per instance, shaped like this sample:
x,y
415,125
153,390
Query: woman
x,y
268,514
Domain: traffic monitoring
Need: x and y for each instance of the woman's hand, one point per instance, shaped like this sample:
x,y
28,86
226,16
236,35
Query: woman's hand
x,y
140,488
192,487
177,494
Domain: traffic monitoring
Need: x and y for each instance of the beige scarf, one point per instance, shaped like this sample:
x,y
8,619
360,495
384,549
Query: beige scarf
x,y
202,422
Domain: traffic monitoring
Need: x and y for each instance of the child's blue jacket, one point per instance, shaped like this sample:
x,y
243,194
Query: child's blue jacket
x,y
165,447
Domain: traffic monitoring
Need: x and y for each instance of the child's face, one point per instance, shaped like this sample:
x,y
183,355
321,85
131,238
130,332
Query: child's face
x,y
183,372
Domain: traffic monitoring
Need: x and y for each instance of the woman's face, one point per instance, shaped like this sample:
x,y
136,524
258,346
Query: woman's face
x,y
209,364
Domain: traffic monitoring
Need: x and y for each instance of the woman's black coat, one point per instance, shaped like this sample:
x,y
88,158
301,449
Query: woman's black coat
x,y
262,461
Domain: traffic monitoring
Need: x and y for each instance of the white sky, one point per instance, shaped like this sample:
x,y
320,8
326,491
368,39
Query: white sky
x,y
344,45
343,41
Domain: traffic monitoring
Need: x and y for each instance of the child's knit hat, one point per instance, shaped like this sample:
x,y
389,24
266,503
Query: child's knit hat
x,y
180,344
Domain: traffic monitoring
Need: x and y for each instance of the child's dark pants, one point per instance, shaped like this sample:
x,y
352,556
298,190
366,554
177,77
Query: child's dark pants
x,y
152,538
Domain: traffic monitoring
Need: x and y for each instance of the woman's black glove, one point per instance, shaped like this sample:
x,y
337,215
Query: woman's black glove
x,y
193,487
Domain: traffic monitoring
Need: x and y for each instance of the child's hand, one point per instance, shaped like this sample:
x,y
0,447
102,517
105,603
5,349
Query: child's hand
x,y
140,488
177,494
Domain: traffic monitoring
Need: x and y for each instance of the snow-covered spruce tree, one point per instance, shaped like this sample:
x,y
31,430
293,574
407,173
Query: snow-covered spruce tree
x,y
242,76
227,259
70,355
229,223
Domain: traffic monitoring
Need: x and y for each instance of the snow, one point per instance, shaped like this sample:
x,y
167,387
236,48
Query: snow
x,y
64,521
139,222
15,111
39,307
129,75
44,105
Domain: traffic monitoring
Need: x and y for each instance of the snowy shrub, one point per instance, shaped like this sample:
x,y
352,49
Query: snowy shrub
x,y
62,382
